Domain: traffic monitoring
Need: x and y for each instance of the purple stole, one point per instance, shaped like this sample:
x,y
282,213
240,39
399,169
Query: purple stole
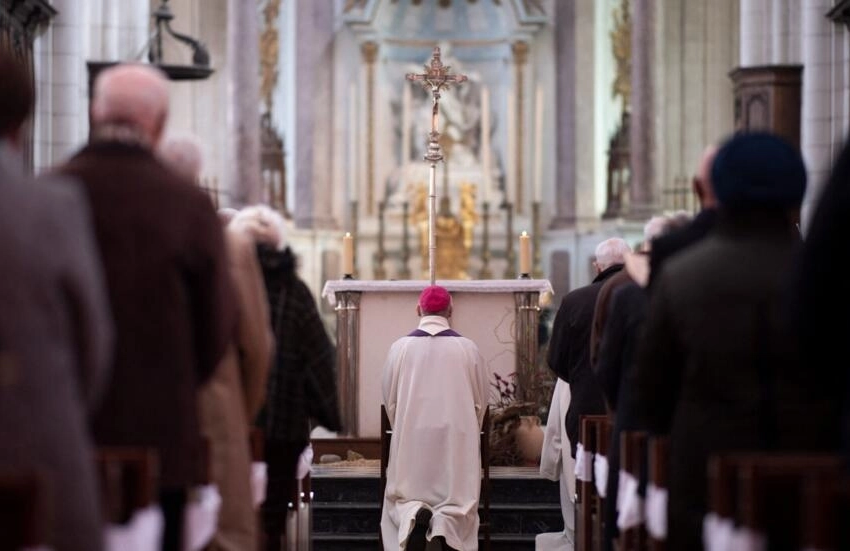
x,y
444,333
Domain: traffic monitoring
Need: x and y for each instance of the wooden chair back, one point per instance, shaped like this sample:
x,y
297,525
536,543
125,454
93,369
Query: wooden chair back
x,y
25,510
633,459
586,497
129,481
658,452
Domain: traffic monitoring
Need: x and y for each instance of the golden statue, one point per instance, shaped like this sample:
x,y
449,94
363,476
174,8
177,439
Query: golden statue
x,y
621,46
454,236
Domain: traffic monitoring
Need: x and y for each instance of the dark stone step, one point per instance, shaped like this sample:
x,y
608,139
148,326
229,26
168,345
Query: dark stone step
x,y
502,490
364,542
507,519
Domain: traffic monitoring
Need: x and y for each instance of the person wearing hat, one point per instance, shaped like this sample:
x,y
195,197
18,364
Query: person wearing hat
x,y
435,393
717,366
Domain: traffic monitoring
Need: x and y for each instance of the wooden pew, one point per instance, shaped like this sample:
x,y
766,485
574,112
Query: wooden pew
x,y
484,443
604,429
764,492
826,508
633,459
658,476
24,510
585,506
129,481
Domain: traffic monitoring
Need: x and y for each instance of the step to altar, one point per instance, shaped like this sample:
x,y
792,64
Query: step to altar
x,y
346,507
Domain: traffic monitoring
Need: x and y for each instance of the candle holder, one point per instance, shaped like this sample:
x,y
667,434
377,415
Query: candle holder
x,y
510,270
536,269
524,276
380,255
485,272
354,223
404,273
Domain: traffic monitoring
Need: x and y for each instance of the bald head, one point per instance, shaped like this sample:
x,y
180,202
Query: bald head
x,y
610,252
702,181
133,97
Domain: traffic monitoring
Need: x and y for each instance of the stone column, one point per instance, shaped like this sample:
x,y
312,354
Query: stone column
x,y
755,45
69,85
243,94
520,52
816,120
369,50
641,190
313,114
565,149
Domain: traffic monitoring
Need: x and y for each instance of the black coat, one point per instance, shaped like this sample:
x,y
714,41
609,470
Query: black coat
x,y
569,352
668,245
717,363
615,371
302,381
823,303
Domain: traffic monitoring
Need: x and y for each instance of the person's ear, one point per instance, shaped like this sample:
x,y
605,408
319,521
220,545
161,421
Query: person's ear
x,y
449,312
418,311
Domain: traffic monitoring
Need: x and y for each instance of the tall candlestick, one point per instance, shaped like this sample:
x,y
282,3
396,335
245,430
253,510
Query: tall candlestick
x,y
405,127
485,145
347,255
538,144
352,143
524,254
510,145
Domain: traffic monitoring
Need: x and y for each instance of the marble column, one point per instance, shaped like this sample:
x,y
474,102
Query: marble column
x,y
565,103
755,42
312,115
369,51
816,119
243,93
643,140
520,56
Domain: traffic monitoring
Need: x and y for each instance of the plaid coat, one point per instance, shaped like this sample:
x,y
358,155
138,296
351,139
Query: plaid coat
x,y
301,388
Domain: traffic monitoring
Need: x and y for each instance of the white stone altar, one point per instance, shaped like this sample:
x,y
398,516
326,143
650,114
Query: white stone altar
x,y
501,316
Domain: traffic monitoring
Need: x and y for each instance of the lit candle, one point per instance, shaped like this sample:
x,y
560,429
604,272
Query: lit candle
x,y
510,145
538,144
347,254
524,253
352,142
485,145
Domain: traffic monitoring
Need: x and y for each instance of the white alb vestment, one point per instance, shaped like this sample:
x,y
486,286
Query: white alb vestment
x,y
435,391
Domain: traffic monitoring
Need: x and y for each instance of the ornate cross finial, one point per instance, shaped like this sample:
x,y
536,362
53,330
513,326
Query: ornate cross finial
x,y
435,79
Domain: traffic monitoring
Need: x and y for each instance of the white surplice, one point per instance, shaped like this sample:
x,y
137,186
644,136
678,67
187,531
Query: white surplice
x,y
435,391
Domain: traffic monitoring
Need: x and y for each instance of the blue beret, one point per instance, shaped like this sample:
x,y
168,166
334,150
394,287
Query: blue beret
x,y
758,170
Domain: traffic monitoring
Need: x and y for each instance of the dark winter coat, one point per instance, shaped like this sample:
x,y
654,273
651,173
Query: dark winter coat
x,y
302,381
717,366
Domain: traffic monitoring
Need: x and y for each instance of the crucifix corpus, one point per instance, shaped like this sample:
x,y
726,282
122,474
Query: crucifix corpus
x,y
435,79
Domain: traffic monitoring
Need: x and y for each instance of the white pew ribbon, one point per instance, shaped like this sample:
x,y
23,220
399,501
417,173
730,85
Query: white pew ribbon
x,y
143,532
656,511
629,502
600,474
584,464
202,517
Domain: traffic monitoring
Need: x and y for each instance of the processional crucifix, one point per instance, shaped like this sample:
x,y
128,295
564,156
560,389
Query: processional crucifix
x,y
435,79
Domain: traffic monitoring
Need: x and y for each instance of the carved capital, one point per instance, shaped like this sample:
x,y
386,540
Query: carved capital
x,y
369,51
520,51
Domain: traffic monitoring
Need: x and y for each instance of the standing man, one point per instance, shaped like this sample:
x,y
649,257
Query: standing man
x,y
55,330
569,350
163,252
435,393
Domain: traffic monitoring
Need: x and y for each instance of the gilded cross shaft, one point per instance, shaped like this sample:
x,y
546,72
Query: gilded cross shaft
x,y
435,79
